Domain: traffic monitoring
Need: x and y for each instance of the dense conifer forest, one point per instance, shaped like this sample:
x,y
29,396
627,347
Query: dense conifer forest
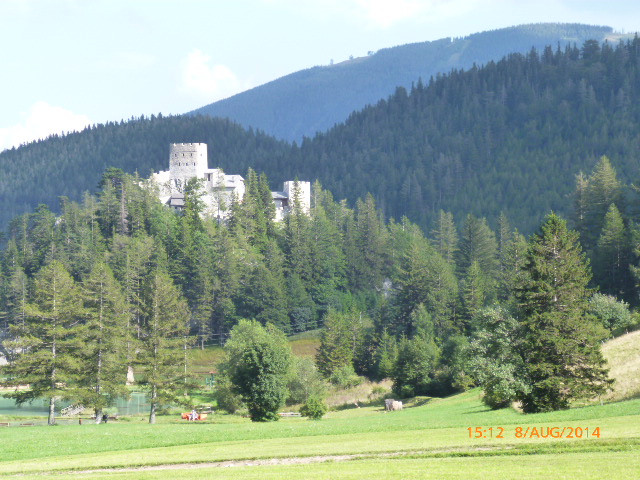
x,y
510,136
119,279
314,100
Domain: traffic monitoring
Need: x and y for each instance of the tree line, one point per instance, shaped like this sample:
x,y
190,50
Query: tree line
x,y
120,280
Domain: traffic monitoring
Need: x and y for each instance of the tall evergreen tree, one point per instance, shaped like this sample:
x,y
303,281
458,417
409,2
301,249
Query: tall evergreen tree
x,y
48,340
603,188
473,292
445,237
612,255
164,336
105,340
478,243
427,279
339,340
560,341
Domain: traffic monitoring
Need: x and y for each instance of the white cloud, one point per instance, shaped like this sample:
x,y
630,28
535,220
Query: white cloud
x,y
201,78
39,122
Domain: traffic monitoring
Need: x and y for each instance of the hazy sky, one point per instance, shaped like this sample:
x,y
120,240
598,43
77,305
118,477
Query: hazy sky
x,y
68,63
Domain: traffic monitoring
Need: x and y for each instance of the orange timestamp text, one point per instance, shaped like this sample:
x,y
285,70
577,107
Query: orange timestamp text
x,y
531,432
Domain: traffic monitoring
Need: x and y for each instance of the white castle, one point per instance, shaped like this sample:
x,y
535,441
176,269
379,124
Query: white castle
x,y
189,160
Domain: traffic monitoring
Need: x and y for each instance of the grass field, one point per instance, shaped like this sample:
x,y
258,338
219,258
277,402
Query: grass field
x,y
623,355
205,360
427,441
432,439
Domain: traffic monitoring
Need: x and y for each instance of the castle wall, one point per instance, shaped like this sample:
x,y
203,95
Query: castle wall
x,y
189,160
186,160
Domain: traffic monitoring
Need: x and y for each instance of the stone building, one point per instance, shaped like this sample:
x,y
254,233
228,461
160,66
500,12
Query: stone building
x,y
189,160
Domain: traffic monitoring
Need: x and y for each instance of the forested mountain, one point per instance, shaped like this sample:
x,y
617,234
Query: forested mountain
x,y
508,136
42,171
315,99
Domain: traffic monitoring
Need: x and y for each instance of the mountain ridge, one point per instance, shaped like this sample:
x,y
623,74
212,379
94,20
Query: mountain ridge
x,y
312,100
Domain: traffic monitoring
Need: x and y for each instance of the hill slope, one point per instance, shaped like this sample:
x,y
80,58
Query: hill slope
x,y
313,100
41,172
623,355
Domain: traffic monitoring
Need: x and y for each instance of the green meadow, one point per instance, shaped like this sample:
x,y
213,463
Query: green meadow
x,y
429,440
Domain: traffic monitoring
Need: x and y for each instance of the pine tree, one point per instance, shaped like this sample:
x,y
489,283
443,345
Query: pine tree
x,y
612,255
603,188
327,262
297,240
479,244
512,256
385,356
425,278
370,242
473,292
163,339
105,340
15,299
445,237
338,341
131,261
48,340
560,341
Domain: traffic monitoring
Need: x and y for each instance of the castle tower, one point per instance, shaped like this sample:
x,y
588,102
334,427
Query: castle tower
x,y
186,160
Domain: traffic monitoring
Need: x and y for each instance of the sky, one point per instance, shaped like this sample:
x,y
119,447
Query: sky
x,y
66,64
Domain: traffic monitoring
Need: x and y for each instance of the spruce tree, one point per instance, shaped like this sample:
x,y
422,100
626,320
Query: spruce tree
x,y
425,278
560,341
602,189
612,255
473,292
337,342
512,256
479,244
445,237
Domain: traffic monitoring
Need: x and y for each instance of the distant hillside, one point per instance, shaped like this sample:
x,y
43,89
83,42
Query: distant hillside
x,y
510,136
315,99
41,172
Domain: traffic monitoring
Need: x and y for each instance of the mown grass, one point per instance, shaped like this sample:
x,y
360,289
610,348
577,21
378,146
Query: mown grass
x,y
436,429
429,440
